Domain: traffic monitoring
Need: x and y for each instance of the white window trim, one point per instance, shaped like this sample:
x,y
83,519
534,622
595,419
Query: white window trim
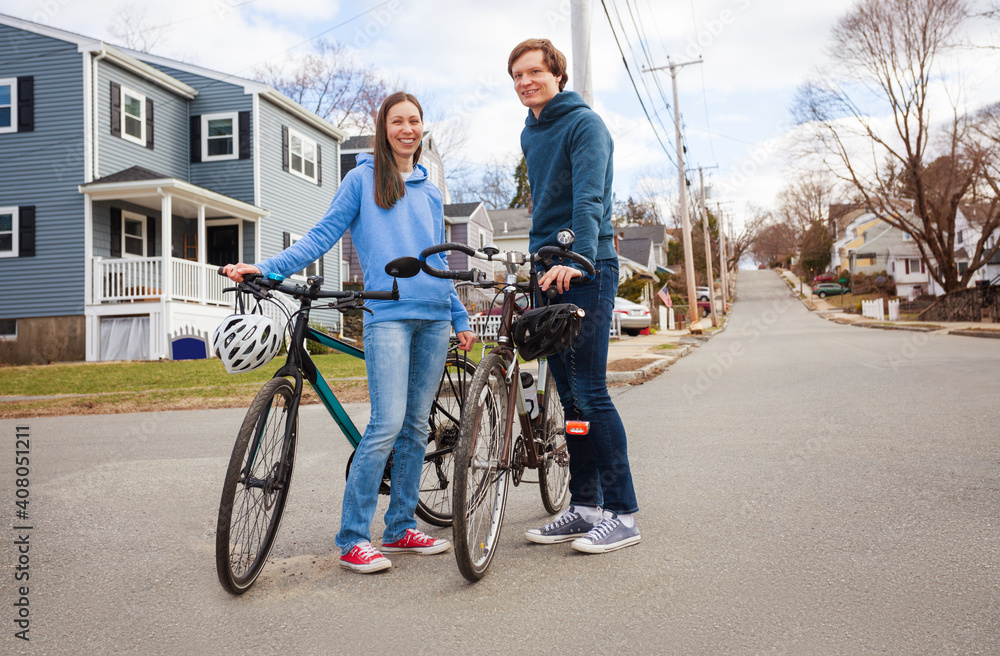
x,y
141,140
10,338
15,229
293,133
234,117
12,81
304,274
145,233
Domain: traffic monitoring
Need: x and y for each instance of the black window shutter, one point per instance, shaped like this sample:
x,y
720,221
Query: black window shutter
x,y
196,138
284,147
116,109
244,129
319,165
151,236
116,232
149,124
26,231
26,104
320,267
286,240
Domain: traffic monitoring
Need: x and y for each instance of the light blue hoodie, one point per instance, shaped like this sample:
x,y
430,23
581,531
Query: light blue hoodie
x,y
415,222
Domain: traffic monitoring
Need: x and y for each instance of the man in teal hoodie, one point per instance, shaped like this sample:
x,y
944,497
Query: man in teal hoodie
x,y
569,150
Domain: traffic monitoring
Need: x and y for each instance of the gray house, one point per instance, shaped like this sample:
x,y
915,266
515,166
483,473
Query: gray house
x,y
126,180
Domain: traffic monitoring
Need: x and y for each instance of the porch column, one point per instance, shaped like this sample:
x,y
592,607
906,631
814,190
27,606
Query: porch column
x,y
166,275
202,256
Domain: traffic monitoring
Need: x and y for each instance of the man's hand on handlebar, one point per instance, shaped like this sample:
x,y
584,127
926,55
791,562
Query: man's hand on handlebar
x,y
559,276
235,271
466,339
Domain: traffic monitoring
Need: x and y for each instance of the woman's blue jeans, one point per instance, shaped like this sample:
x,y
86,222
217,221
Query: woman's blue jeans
x,y
404,360
600,475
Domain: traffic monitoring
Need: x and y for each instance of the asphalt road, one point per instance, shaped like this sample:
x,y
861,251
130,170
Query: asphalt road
x,y
805,488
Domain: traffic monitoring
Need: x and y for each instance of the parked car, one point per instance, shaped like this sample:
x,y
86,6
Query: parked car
x,y
824,277
703,293
825,289
632,316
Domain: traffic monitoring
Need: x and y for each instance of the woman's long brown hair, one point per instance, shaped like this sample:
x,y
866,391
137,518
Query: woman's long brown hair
x,y
389,185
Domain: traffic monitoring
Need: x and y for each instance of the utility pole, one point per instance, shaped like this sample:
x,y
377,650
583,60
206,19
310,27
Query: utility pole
x,y
723,262
695,323
580,26
708,250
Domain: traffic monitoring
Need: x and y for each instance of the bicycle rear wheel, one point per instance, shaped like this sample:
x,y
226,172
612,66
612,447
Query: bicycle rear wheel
x,y
553,471
256,487
434,504
482,475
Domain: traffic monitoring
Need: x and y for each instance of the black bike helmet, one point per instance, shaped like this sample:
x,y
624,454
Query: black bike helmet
x,y
547,330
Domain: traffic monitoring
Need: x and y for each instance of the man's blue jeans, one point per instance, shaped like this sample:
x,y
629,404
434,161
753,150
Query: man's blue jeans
x,y
404,360
598,463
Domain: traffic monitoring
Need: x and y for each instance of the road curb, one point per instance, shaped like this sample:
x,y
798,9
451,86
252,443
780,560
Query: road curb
x,y
655,368
989,334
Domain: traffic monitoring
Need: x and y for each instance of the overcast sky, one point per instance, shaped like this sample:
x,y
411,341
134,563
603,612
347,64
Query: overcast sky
x,y
453,54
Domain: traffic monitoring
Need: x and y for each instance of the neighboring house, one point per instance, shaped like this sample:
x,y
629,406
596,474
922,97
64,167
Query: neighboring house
x,y
467,223
853,237
909,270
349,151
638,250
659,239
511,228
126,180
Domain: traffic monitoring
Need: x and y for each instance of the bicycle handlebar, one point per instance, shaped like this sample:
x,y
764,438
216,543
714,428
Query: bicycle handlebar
x,y
259,283
472,275
544,254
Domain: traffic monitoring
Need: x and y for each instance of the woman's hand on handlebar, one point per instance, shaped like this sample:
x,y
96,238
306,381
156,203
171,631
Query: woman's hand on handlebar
x,y
235,271
466,339
559,276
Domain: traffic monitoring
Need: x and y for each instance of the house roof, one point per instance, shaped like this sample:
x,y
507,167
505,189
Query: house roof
x,y
904,251
460,210
511,222
657,233
361,143
130,175
636,249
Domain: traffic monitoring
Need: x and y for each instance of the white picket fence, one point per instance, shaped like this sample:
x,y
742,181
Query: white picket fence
x,y
875,310
486,327
894,310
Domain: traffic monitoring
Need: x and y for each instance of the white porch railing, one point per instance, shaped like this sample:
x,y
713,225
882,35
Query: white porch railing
x,y
141,278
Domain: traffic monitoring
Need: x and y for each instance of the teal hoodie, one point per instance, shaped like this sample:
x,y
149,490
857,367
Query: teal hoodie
x,y
415,222
569,152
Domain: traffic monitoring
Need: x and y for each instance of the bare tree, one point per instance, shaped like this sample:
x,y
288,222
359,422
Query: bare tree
x,y
132,29
914,174
805,200
331,83
492,183
742,243
774,241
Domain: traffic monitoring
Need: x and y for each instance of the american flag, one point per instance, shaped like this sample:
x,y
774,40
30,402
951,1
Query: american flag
x,y
665,297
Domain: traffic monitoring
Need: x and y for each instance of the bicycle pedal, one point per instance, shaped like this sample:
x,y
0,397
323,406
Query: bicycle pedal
x,y
577,427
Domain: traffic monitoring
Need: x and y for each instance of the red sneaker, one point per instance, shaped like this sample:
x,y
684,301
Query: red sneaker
x,y
416,542
365,558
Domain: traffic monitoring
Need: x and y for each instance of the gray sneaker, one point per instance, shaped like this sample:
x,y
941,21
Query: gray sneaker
x,y
608,535
567,526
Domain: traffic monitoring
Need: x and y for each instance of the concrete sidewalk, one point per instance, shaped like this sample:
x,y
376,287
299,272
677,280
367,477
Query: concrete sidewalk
x,y
636,359
830,309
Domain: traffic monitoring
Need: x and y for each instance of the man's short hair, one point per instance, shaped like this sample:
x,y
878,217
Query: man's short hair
x,y
555,60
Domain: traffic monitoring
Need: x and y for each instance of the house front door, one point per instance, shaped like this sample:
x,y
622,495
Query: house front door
x,y
223,246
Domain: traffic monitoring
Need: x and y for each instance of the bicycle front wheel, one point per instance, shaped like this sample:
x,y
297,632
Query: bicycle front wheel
x,y
256,487
434,504
553,471
482,474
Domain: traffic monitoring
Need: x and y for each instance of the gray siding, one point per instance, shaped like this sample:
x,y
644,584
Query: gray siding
x,y
170,119
248,238
234,178
43,168
295,204
102,226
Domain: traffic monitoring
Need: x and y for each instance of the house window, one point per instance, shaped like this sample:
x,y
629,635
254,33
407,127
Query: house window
x,y
907,236
8,104
219,136
312,269
8,232
8,330
133,116
302,155
133,235
482,239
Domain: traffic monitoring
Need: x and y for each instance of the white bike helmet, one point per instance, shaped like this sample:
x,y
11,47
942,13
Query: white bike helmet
x,y
245,342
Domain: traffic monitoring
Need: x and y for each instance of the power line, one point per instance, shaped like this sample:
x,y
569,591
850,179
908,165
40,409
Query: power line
x,y
704,96
636,88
